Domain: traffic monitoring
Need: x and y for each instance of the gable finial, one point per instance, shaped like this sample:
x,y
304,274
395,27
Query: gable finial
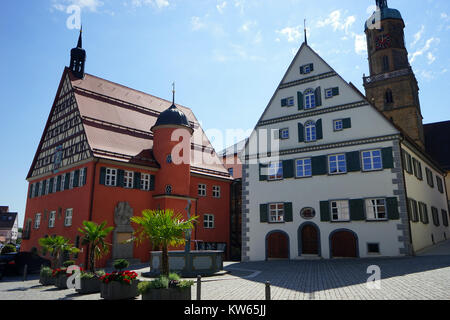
x,y
173,93
80,39
306,38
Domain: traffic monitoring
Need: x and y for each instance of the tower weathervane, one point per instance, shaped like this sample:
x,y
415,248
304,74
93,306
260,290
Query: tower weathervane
x,y
173,92
306,38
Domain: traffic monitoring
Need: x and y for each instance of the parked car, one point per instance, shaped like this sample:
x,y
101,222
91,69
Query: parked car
x,y
14,263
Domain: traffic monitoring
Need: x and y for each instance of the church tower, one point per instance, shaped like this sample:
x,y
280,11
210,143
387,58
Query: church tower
x,y
78,58
392,86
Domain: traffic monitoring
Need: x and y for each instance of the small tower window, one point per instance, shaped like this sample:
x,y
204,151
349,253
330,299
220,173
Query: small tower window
x,y
388,97
385,63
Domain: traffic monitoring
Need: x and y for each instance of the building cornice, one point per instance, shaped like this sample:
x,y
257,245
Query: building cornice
x,y
307,80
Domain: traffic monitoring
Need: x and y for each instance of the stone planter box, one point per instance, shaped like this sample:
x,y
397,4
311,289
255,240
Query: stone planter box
x,y
61,281
47,280
119,291
88,286
168,294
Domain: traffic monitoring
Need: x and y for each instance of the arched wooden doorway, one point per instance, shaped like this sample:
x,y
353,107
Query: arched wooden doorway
x,y
277,245
309,240
343,244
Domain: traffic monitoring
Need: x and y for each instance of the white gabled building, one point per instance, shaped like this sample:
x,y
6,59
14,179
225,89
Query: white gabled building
x,y
335,179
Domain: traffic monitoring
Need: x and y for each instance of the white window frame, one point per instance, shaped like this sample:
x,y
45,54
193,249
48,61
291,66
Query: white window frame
x,y
41,185
290,102
201,190
338,125
329,93
63,181
52,219
310,131
276,212
216,191
374,208
71,179
302,167
310,99
372,158
145,182
47,186
55,184
111,177
306,69
68,217
208,221
274,171
128,179
37,221
338,162
340,209
81,177
284,133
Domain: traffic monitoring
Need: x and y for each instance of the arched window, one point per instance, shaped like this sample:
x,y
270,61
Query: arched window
x,y
388,96
310,99
310,131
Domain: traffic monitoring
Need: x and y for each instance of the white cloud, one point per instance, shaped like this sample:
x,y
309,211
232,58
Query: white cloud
x,y
197,24
431,58
155,3
91,5
360,44
337,22
293,34
418,36
221,6
425,49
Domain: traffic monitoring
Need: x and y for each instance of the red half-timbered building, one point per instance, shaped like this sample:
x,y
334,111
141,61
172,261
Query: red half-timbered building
x,y
106,154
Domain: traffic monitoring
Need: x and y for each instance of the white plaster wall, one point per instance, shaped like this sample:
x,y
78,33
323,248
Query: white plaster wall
x,y
309,192
421,191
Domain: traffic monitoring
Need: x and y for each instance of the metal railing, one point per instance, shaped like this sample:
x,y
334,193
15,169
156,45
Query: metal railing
x,y
386,76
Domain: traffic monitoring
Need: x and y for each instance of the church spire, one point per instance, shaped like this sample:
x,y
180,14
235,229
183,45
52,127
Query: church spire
x,y
306,38
381,4
78,58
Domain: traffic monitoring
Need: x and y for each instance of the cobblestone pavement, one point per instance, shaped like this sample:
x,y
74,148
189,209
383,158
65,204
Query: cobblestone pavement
x,y
424,277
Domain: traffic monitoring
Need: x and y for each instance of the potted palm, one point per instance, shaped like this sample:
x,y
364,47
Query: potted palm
x,y
119,285
94,236
166,288
163,228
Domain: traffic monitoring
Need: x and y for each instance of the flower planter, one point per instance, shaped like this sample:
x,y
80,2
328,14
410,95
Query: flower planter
x,y
168,294
116,290
61,281
88,286
47,280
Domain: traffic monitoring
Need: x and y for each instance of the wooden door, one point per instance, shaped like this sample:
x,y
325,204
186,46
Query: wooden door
x,y
343,245
310,240
277,246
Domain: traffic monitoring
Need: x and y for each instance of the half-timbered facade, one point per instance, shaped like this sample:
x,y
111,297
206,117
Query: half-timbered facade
x,y
104,156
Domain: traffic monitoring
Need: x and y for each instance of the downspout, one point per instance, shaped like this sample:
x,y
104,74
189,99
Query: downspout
x,y
91,205
408,213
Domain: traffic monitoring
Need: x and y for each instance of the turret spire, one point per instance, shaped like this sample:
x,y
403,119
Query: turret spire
x,y
306,38
80,39
78,58
381,4
173,93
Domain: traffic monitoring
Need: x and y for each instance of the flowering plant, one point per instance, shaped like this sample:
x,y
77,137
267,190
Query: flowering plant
x,y
58,271
123,277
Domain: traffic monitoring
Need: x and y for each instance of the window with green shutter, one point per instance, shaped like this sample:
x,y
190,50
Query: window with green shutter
x,y
318,94
288,213
284,102
319,165
102,175
319,130
353,161
357,210
76,178
347,123
120,177
152,183
325,211
263,213
300,101
301,133
388,159
392,208
288,169
137,180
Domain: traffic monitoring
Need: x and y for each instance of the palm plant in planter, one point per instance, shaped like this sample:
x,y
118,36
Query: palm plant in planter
x,y
94,236
163,228
166,288
57,246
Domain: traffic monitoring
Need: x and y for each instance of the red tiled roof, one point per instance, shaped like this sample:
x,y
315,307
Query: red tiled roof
x,y
117,122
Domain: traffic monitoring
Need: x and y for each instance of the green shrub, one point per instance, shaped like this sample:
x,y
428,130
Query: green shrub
x,y
46,272
91,275
162,282
68,263
9,248
121,264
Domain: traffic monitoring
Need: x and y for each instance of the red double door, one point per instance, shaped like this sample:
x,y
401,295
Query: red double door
x,y
277,246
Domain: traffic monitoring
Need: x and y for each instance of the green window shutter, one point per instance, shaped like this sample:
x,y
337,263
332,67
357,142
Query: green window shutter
x,y
36,190
319,165
335,91
319,130
263,172
353,161
301,133
347,123
50,189
58,184
392,208
302,70
66,182
30,195
120,176
85,176
300,101
288,216
388,159
325,214
137,180
284,102
102,175
76,178
311,67
263,213
152,183
357,210
318,94
288,168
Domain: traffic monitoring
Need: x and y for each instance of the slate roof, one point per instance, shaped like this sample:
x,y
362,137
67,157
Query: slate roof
x,y
7,220
437,142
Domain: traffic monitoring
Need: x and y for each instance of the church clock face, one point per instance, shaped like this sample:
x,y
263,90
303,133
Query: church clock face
x,y
383,41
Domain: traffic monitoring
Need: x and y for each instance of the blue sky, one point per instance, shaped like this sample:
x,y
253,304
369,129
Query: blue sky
x,y
226,56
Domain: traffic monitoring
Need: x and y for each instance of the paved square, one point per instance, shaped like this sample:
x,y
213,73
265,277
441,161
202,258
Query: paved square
x,y
424,277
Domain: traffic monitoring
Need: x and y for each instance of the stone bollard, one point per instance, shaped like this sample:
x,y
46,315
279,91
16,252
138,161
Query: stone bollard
x,y
268,290
199,288
25,270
